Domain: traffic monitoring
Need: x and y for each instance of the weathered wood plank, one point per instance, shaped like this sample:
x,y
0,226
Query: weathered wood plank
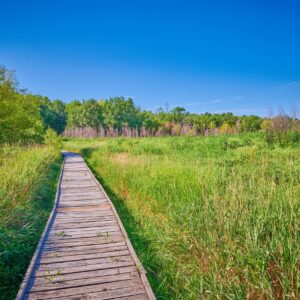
x,y
143,296
73,257
106,295
84,242
82,249
93,267
48,284
78,221
60,279
85,214
73,291
82,203
81,198
100,207
104,227
65,265
67,235
81,220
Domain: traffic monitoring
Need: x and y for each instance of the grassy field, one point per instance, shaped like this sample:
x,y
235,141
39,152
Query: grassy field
x,y
27,189
210,217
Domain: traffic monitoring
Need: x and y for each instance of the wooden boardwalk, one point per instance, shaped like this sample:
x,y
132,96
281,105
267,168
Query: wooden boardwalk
x,y
84,252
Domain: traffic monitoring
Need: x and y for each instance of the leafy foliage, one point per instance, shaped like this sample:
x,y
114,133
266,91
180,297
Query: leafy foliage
x,y
53,114
119,112
19,115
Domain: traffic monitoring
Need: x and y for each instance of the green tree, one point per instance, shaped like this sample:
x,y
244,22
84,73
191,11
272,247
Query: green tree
x,y
20,119
74,113
118,112
91,114
251,123
150,121
177,114
53,114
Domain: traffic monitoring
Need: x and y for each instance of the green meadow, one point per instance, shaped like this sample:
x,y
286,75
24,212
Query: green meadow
x,y
210,217
27,189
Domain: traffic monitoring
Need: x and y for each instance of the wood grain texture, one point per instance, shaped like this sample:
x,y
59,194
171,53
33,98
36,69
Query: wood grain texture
x,y
84,252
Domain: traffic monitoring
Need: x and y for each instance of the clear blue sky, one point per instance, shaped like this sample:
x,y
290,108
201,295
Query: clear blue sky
x,y
239,56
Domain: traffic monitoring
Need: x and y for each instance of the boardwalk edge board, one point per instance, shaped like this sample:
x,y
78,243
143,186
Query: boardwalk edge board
x,y
27,290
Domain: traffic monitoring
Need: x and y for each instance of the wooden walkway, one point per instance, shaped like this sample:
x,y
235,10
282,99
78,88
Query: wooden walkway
x,y
84,252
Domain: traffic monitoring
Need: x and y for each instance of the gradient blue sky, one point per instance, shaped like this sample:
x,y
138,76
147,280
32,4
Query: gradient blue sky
x,y
239,56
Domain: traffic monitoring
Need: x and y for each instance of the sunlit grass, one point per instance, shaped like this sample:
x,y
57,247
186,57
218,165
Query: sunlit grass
x,y
28,178
214,217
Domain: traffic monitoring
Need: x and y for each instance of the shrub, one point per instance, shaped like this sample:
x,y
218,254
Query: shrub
x,y
281,130
293,137
52,139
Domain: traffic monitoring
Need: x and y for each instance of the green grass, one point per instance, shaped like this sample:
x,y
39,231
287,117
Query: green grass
x,y
28,178
209,217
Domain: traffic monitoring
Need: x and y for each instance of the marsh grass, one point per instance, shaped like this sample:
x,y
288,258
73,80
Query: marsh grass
x,y
27,189
210,217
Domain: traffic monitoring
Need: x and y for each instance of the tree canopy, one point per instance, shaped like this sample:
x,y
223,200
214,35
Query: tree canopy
x,y
25,117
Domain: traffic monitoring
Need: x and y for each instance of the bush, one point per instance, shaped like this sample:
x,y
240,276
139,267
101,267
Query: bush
x,y
52,139
282,130
293,137
283,139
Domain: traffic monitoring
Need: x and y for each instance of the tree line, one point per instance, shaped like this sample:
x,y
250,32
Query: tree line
x,y
25,117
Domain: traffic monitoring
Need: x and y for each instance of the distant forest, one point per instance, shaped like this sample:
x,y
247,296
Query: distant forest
x,y
24,117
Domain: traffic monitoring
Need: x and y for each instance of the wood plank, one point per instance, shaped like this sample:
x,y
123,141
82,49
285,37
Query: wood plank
x,y
64,265
72,184
105,288
81,189
82,198
85,208
143,296
60,279
82,248
92,267
93,228
85,213
85,241
63,256
84,216
48,284
99,234
74,196
106,295
82,203
81,192
68,258
83,224
82,220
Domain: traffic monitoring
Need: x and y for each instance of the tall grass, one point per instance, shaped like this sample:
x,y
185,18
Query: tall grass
x,y
214,217
28,177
